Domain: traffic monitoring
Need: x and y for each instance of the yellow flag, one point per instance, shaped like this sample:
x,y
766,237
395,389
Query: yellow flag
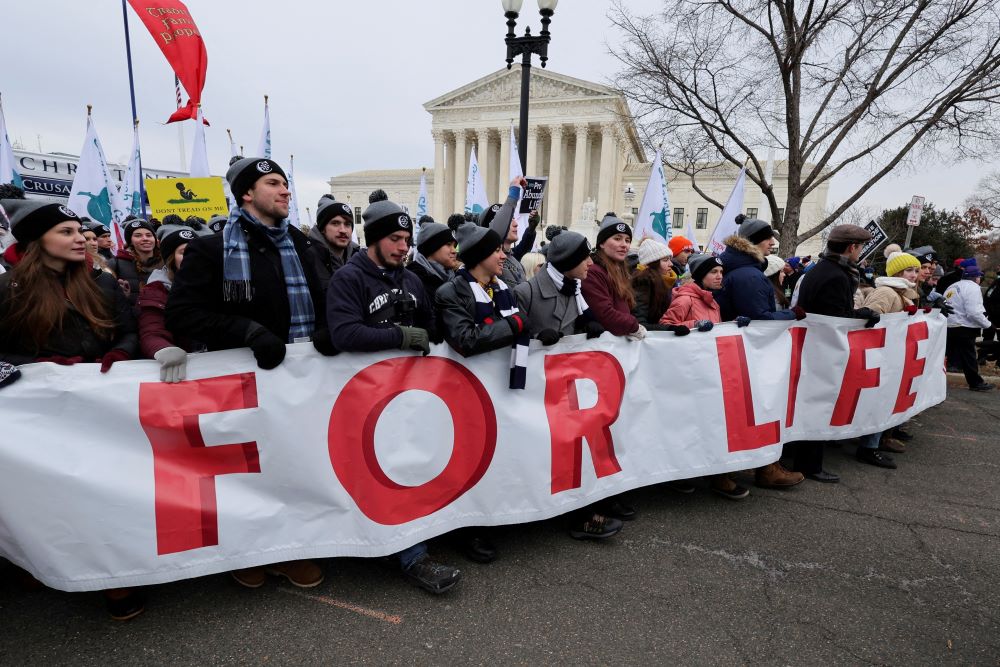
x,y
186,196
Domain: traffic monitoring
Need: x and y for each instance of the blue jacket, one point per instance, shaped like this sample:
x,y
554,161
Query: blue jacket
x,y
364,305
745,290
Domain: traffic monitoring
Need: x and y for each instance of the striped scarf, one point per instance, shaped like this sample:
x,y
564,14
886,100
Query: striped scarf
x,y
570,287
499,298
237,285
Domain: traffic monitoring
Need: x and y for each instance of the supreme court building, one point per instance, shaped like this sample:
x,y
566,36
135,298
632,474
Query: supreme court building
x,y
581,136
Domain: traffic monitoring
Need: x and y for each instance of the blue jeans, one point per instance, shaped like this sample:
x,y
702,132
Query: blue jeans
x,y
408,557
870,441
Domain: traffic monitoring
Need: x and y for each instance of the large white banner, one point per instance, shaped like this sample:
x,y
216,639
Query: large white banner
x,y
120,480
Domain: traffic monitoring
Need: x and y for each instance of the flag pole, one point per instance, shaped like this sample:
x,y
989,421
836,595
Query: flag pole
x,y
135,113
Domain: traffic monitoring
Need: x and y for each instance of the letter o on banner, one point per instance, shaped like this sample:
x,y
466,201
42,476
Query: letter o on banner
x,y
351,436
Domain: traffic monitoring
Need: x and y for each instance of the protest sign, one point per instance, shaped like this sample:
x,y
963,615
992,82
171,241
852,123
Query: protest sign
x,y
878,238
203,197
532,199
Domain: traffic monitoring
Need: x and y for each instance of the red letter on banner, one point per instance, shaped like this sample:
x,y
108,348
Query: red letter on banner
x,y
798,340
857,375
912,367
352,436
184,469
742,429
569,424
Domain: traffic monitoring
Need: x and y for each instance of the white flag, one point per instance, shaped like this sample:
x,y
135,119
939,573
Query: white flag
x,y
653,220
421,204
199,151
689,232
8,171
475,193
233,148
264,149
132,185
514,171
94,193
727,222
293,202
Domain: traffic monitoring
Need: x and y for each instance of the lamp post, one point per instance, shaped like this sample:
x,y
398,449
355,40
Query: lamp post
x,y
526,46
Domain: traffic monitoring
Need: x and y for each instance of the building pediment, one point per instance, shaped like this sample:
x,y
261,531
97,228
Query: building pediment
x,y
504,88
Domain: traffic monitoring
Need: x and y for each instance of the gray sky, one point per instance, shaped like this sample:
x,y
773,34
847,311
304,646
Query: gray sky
x,y
347,81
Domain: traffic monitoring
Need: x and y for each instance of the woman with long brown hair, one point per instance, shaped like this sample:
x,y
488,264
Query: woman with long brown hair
x,y
138,259
53,309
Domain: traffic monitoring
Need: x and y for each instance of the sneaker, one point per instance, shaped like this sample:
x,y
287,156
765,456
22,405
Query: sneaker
x,y
681,486
727,488
8,374
124,607
479,548
596,527
251,577
875,457
984,386
300,573
891,445
432,577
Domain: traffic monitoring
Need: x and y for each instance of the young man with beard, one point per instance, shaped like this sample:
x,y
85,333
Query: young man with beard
x,y
252,286
331,236
373,304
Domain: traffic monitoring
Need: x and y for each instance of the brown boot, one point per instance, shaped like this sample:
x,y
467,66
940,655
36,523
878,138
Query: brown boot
x,y
301,573
251,577
891,445
773,476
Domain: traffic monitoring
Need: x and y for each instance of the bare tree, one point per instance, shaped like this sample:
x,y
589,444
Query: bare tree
x,y
864,85
987,197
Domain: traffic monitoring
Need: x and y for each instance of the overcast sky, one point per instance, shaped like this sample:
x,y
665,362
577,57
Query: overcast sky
x,y
347,81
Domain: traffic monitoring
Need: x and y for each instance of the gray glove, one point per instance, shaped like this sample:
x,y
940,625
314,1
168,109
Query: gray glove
x,y
173,364
638,334
415,338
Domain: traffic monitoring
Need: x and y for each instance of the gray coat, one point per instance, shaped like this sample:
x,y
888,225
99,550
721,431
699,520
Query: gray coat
x,y
544,306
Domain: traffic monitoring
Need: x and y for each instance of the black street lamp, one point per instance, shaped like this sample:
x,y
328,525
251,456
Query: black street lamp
x,y
526,46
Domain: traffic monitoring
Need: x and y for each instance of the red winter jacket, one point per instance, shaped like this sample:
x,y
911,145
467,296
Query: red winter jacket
x,y
690,304
608,308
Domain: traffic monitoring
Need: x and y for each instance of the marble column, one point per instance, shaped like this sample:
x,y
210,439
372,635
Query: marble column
x,y
461,170
449,176
503,173
554,188
580,174
606,176
440,184
530,168
483,156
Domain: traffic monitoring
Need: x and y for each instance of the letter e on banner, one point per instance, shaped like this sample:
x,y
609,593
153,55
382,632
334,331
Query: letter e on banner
x,y
742,430
912,367
569,425
184,469
857,375
352,436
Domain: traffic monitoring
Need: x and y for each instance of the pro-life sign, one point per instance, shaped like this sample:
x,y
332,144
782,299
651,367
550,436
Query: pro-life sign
x,y
878,238
532,199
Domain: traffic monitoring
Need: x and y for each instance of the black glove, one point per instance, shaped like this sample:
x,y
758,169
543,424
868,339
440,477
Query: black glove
x,y
268,349
548,336
703,325
800,314
323,344
870,317
678,329
593,329
742,321
415,338
946,310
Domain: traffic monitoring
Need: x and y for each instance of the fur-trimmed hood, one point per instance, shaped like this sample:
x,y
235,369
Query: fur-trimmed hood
x,y
740,244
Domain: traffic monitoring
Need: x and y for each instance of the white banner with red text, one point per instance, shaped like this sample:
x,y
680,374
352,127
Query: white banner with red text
x,y
121,480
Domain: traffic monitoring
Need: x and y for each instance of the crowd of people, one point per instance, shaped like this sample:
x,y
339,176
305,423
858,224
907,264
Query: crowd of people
x,y
252,280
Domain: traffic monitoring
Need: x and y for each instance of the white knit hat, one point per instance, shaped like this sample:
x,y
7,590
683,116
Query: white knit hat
x,y
774,264
651,250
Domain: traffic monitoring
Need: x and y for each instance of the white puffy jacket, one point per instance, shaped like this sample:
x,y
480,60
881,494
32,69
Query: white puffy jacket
x,y
966,297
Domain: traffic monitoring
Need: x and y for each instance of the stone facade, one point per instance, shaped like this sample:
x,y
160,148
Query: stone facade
x,y
582,137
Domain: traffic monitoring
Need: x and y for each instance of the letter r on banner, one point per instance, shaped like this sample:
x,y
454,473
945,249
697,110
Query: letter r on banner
x,y
569,424
742,430
857,375
352,436
184,469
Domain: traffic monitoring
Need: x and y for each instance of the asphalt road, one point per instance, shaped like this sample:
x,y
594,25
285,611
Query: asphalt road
x,y
889,567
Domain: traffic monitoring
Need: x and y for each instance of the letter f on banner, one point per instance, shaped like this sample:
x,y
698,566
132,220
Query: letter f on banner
x,y
184,469
857,375
569,424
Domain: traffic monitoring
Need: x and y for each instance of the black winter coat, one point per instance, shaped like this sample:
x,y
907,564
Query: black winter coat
x,y
364,305
457,305
827,289
197,310
76,338
124,266
324,262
